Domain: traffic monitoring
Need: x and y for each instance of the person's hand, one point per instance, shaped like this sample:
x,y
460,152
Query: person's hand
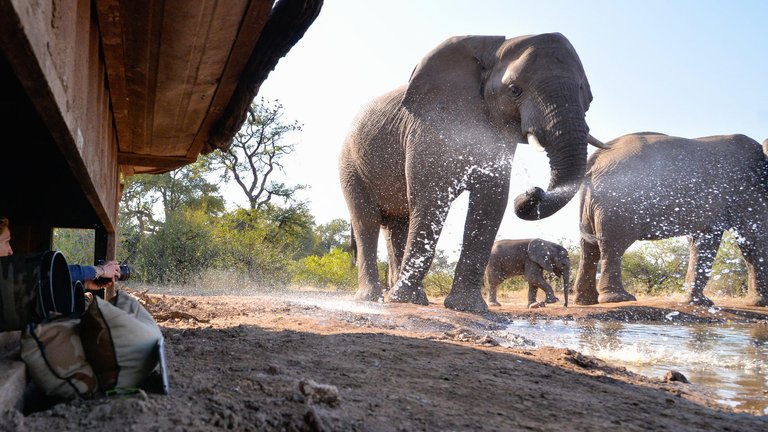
x,y
90,285
109,270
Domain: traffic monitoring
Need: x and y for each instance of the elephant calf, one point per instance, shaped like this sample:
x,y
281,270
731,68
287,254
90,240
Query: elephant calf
x,y
529,258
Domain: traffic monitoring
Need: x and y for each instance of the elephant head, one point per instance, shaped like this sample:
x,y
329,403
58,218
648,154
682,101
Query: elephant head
x,y
526,89
553,258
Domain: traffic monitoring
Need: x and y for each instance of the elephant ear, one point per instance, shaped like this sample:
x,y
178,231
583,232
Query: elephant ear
x,y
449,79
540,253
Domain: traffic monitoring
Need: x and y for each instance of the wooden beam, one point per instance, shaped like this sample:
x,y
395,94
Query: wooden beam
x,y
164,162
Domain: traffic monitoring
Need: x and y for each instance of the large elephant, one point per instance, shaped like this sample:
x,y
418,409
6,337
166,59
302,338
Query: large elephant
x,y
529,258
454,127
651,186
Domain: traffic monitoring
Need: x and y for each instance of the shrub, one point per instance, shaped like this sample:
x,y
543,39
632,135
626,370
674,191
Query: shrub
x,y
333,269
180,250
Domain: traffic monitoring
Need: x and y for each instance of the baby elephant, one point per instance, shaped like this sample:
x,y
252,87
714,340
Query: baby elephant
x,y
527,257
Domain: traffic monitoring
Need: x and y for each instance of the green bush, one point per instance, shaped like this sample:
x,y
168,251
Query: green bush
x,y
77,245
655,267
729,271
179,251
250,244
332,270
438,283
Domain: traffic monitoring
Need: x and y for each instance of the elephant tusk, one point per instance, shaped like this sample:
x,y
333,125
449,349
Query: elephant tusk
x,y
596,142
534,142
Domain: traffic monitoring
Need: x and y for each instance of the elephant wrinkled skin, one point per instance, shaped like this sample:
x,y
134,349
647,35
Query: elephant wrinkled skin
x,y
651,186
529,258
453,128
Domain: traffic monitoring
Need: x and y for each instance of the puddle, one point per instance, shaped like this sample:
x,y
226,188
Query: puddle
x,y
732,359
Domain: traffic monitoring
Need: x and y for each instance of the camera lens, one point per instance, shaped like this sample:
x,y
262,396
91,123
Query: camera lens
x,y
125,272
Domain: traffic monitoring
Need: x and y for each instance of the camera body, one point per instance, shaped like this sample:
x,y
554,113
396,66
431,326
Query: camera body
x,y
125,274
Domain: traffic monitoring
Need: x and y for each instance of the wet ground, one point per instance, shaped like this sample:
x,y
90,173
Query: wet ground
x,y
313,361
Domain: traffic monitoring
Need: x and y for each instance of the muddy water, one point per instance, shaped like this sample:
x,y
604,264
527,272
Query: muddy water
x,y
732,360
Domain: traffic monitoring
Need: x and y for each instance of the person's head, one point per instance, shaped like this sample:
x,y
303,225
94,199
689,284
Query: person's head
x,y
5,237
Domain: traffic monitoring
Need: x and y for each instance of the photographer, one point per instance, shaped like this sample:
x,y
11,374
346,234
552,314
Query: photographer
x,y
87,275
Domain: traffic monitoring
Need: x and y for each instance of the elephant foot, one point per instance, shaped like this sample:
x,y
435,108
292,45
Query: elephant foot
x,y
757,300
466,302
538,304
405,295
615,297
699,300
551,300
585,299
368,294
493,303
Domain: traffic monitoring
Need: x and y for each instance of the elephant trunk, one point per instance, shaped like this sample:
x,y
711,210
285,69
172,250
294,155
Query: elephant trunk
x,y
567,151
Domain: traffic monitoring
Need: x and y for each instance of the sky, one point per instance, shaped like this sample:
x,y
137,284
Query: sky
x,y
685,68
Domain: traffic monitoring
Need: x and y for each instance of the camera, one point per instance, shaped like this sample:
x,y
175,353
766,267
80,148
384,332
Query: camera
x,y
125,274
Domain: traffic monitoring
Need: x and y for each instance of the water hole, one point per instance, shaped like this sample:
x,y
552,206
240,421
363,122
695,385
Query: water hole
x,y
729,359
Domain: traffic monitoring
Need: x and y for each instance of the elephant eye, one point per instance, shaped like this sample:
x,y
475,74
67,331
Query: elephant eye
x,y
515,90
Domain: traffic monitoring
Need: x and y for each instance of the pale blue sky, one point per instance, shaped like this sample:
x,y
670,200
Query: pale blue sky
x,y
688,68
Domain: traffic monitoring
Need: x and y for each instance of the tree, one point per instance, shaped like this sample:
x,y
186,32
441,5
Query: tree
x,y
729,271
180,250
334,234
75,244
656,266
255,154
264,242
439,278
180,189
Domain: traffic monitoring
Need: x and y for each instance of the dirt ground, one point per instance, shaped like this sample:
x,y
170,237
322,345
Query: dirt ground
x,y
294,362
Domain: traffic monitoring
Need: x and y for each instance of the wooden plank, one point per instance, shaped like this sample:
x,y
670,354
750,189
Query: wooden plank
x,y
248,35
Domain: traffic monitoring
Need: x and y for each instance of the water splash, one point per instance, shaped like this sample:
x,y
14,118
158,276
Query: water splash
x,y
731,360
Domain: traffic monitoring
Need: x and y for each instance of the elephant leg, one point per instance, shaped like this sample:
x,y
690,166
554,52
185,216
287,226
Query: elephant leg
x,y
703,249
610,287
493,277
486,209
754,247
366,222
367,237
533,274
586,281
396,236
423,232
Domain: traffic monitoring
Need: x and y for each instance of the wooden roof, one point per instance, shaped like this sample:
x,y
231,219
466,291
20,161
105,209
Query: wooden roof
x,y
96,90
182,73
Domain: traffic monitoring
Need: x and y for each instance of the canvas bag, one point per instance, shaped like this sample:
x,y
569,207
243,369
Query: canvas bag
x,y
120,341
55,358
109,347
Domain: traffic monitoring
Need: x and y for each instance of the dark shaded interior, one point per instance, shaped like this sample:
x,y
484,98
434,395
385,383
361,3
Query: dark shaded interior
x,y
38,184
